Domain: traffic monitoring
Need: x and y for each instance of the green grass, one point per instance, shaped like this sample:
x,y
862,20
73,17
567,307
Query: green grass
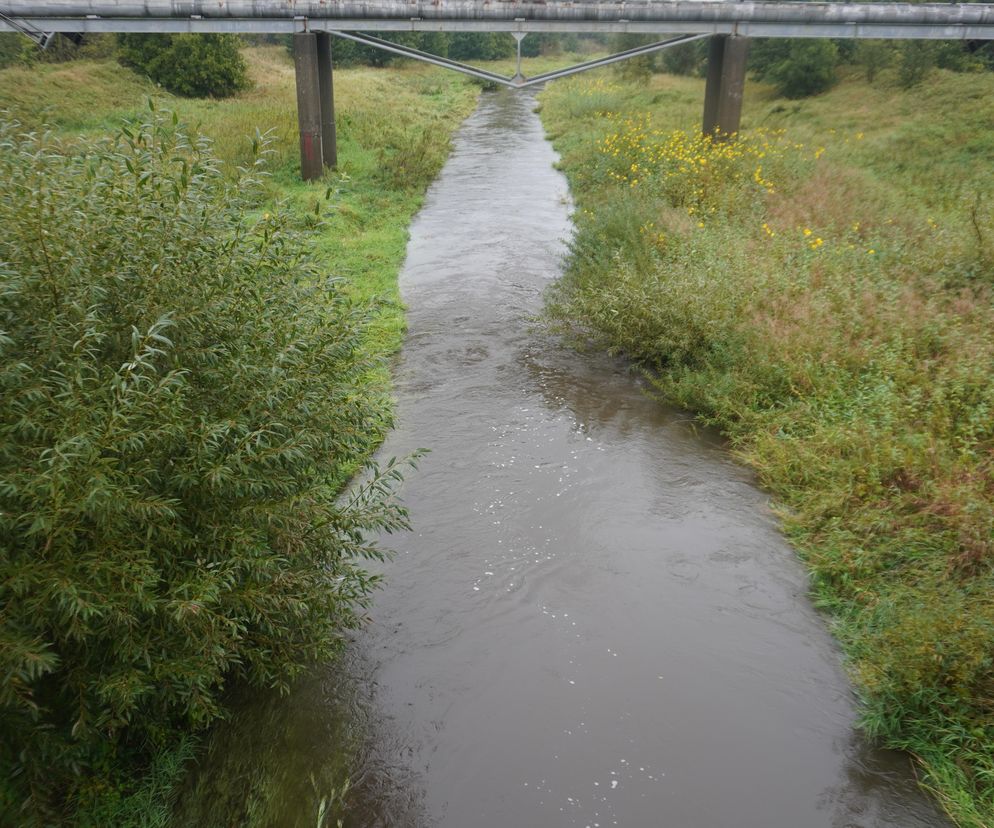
x,y
394,128
822,291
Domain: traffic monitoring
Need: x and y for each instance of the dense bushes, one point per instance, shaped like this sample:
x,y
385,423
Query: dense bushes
x,y
465,46
797,68
194,65
183,396
800,68
462,46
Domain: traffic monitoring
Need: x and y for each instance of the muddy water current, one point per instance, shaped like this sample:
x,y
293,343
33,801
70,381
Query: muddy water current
x,y
594,622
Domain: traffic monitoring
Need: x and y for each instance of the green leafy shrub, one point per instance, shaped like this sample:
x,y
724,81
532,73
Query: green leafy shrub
x,y
687,59
480,45
916,60
184,395
10,48
798,68
459,46
346,52
193,65
873,56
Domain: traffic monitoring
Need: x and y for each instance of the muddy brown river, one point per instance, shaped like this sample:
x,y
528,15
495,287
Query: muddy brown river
x,y
595,621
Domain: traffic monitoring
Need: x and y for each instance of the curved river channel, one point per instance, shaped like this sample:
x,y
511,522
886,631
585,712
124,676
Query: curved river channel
x,y
595,621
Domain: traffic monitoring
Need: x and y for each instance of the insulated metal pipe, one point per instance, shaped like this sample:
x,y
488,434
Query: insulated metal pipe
x,y
681,11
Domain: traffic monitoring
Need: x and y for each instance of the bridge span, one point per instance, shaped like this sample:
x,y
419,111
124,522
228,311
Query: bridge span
x,y
313,23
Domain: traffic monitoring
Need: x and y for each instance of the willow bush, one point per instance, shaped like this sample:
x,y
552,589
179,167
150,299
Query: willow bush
x,y
183,395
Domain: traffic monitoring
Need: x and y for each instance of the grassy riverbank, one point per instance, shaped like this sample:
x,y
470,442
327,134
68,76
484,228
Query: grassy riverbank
x,y
394,128
393,131
822,291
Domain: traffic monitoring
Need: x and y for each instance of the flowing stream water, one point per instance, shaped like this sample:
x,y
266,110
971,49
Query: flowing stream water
x,y
595,621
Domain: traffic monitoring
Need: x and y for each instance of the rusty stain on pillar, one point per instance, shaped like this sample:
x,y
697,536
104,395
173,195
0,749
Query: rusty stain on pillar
x,y
326,85
305,63
725,85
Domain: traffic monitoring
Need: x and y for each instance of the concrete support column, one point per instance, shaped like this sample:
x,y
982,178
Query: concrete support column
x,y
326,86
305,63
725,85
712,87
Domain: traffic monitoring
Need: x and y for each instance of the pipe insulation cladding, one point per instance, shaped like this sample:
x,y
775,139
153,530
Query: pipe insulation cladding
x,y
692,11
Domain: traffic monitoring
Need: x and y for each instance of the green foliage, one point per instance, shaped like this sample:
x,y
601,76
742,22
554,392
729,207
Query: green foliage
x,y
823,294
549,43
688,59
916,59
16,48
798,68
636,68
184,395
193,65
10,48
463,46
350,53
873,56
480,45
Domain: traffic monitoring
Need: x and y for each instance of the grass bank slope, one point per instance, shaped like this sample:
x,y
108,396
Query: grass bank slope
x,y
821,289
394,130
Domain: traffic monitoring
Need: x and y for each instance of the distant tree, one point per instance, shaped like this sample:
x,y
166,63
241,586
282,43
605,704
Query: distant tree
x,y
193,65
798,68
17,48
916,60
957,56
481,46
873,56
635,68
345,52
687,59
10,48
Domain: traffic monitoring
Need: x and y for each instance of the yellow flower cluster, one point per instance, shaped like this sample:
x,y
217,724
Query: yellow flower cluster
x,y
649,230
816,242
687,168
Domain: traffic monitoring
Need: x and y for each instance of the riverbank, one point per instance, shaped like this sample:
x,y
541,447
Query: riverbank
x,y
595,592
822,291
394,129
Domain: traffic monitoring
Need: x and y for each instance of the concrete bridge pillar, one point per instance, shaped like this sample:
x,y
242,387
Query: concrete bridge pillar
x,y
326,88
305,64
725,85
